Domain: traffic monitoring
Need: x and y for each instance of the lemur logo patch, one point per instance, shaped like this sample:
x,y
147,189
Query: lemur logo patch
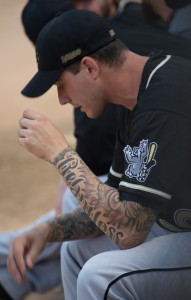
x,y
140,160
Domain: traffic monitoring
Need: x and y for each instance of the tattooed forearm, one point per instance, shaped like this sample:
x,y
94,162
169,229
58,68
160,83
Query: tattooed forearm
x,y
127,223
72,226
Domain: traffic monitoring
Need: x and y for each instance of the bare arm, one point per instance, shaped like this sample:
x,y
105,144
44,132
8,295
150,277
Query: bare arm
x,y
25,248
72,226
126,223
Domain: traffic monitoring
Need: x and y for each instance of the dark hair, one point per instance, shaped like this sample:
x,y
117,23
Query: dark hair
x,y
111,55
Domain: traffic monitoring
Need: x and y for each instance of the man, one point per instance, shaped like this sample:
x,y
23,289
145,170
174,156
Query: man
x,y
142,35
180,22
131,237
105,8
95,141
176,14
35,15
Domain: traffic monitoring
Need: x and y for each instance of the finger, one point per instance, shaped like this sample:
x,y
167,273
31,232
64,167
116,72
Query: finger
x,y
14,271
22,141
23,133
30,114
25,123
32,255
16,263
39,237
31,258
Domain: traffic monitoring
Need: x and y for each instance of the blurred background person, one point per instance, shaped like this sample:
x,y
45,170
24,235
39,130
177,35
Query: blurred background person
x,y
176,15
105,8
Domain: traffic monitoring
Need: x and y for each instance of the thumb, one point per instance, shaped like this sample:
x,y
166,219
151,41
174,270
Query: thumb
x,y
32,255
39,237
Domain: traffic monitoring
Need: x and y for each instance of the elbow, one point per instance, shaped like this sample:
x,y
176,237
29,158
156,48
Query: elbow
x,y
130,241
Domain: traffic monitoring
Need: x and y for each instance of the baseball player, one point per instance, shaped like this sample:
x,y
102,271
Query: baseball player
x,y
94,145
130,238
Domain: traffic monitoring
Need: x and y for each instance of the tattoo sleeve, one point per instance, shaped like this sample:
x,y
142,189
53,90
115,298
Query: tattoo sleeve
x,y
72,226
126,223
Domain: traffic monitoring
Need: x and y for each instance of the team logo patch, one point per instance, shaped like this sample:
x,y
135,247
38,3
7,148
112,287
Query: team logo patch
x,y
183,218
140,160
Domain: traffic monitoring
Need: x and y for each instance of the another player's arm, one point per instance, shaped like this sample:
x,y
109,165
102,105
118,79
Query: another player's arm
x,y
72,226
126,223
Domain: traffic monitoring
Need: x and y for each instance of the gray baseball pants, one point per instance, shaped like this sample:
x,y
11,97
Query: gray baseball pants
x,y
158,269
38,279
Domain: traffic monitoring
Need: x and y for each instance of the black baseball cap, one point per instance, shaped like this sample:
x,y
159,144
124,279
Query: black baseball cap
x,y
37,13
64,40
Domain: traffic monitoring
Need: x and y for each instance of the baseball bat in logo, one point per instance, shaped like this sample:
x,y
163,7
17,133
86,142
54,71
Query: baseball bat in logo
x,y
152,150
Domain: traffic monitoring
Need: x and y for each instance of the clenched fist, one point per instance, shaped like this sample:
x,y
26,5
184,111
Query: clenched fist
x,y
39,136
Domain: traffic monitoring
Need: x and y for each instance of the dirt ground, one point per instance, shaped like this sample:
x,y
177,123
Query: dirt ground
x,y
28,186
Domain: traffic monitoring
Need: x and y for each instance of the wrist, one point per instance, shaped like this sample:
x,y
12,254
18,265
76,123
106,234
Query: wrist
x,y
57,158
44,231
58,155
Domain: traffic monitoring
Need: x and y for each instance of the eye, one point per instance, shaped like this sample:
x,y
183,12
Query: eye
x,y
60,87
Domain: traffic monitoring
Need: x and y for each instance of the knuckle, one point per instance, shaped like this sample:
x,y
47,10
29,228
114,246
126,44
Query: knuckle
x,y
20,132
41,118
20,141
25,112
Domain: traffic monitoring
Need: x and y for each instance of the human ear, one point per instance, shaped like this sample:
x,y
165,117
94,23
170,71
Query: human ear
x,y
91,66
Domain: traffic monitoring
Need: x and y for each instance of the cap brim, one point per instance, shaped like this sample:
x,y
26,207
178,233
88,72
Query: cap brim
x,y
41,83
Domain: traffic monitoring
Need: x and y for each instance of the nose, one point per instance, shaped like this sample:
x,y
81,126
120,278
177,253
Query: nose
x,y
63,99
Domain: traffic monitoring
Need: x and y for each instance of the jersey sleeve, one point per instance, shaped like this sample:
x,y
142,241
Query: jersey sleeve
x,y
117,167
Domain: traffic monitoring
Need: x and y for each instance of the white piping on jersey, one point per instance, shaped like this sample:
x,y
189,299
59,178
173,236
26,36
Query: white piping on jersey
x,y
157,67
145,189
115,173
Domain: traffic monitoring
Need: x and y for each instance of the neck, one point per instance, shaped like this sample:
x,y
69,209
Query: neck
x,y
124,82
